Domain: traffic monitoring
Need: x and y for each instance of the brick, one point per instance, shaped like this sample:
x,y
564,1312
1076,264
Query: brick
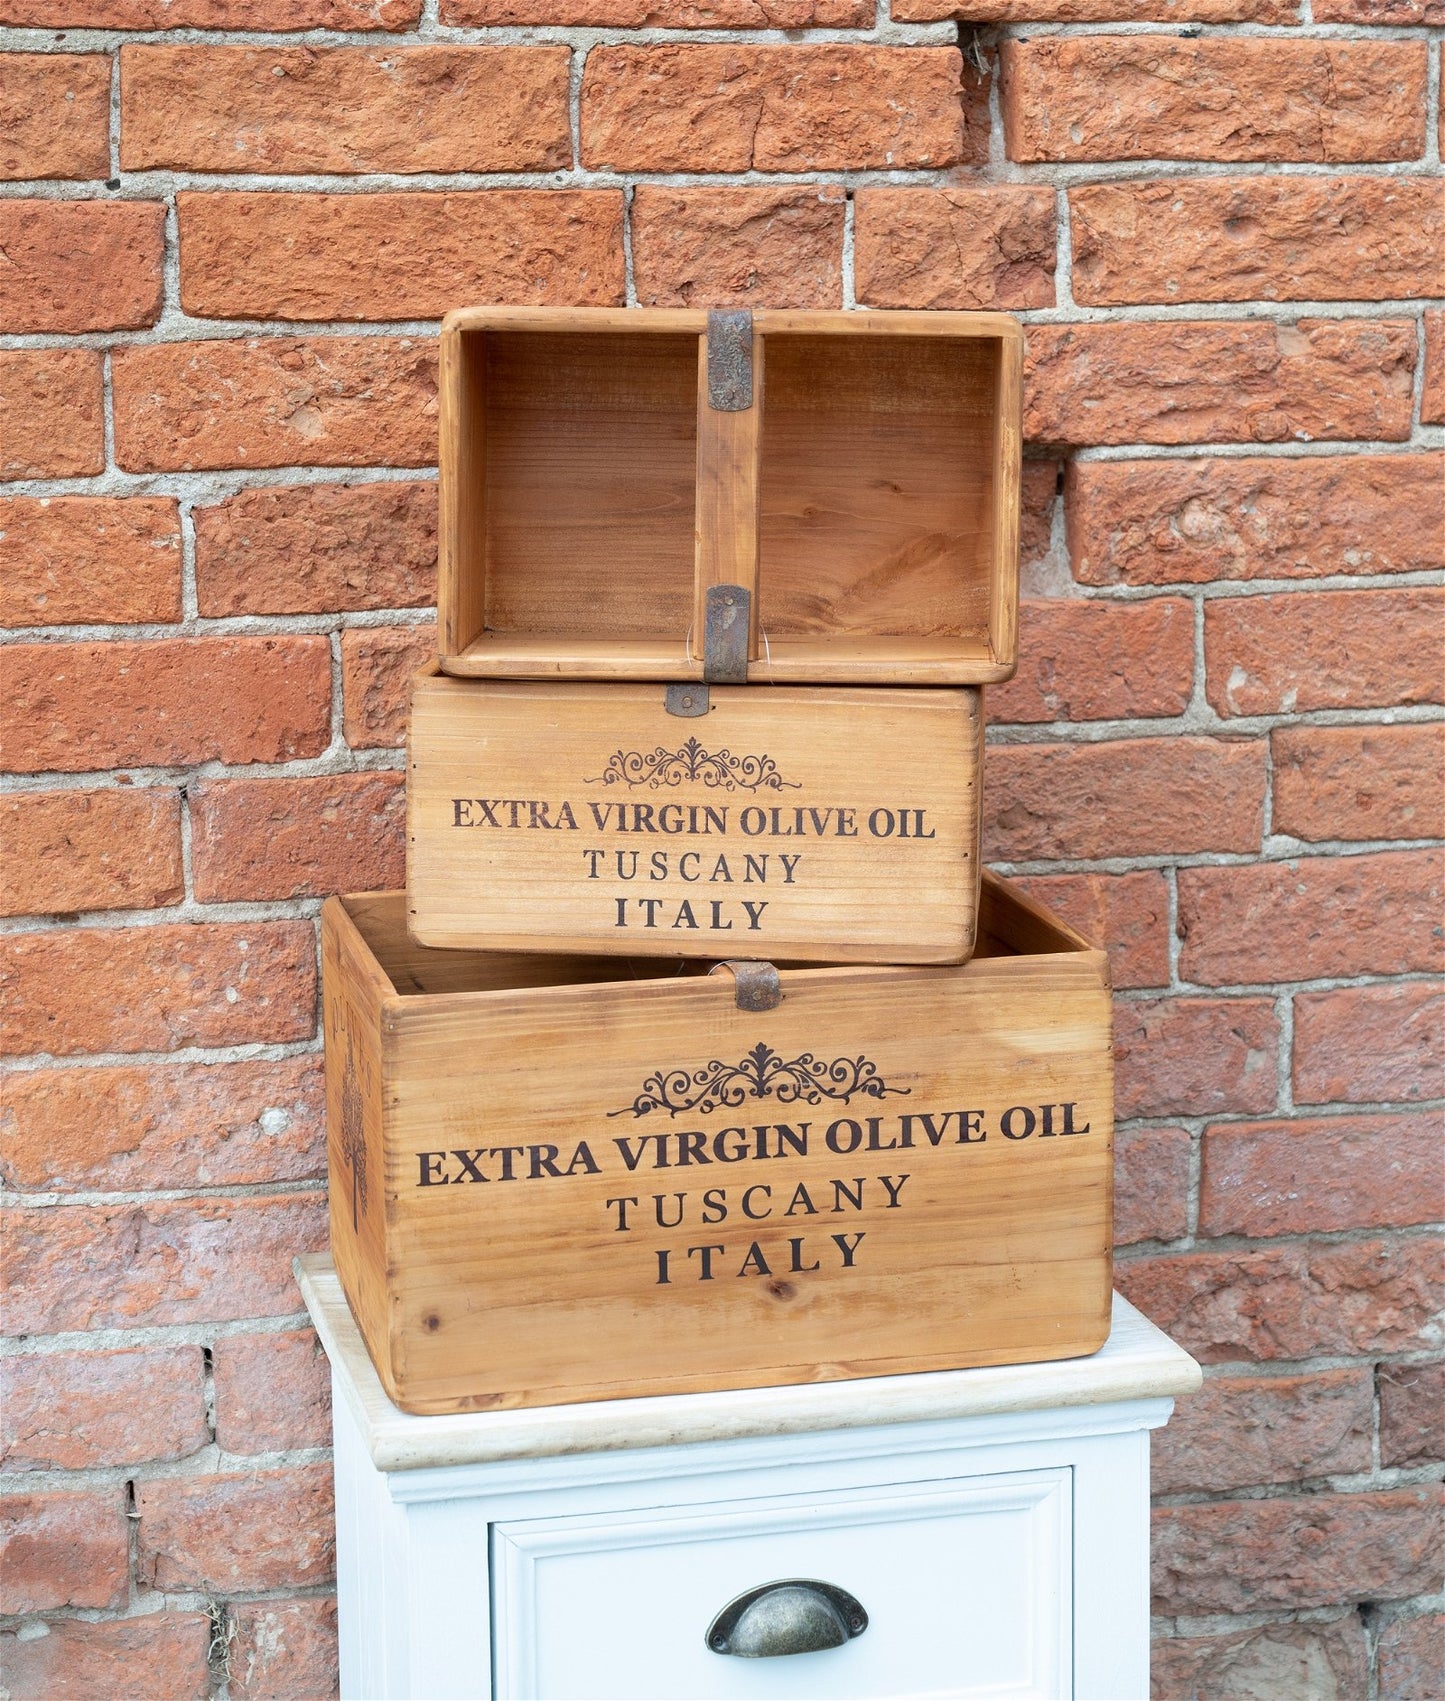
x,y
276,402
1125,797
1411,1656
729,107
398,256
1219,381
59,1550
275,16
315,548
1249,1431
1432,396
297,838
81,265
72,560
51,423
1127,913
377,664
1412,1413
156,702
1289,654
68,851
1359,782
82,1411
74,990
283,1650
779,246
1310,918
1292,1300
1257,239
1038,498
1244,1556
1195,1056
204,107
662,14
1198,520
1098,11
1096,660
54,114
1317,1661
166,1261
1151,1184
1369,1044
1322,1174
955,247
1215,98
1376,12
135,1127
237,1532
73,1661
273,1392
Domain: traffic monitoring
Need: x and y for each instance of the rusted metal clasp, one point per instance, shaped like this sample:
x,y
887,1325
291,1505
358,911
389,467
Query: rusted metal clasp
x,y
688,701
758,984
730,360
727,616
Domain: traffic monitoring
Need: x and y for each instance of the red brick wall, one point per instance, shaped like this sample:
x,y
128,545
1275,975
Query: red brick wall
x,y
228,230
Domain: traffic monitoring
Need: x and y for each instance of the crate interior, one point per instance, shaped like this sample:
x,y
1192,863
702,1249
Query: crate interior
x,y
878,493
1010,927
589,448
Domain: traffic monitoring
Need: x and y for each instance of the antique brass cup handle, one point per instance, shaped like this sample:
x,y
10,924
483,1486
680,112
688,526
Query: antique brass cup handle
x,y
795,1616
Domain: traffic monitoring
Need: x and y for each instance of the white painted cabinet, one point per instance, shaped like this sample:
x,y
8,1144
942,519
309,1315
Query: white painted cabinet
x,y
990,1526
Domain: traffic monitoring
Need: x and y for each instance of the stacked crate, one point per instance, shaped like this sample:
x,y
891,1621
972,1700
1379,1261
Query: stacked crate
x,y
719,594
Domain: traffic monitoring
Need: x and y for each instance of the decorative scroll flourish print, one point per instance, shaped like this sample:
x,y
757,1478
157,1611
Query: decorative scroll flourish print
x,y
719,769
353,1136
761,1074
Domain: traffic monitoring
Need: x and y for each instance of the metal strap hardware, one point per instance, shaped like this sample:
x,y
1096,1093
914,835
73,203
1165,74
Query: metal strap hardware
x,y
727,615
730,360
758,985
687,701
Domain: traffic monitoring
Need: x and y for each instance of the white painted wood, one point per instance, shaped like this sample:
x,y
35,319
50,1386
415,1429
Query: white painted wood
x,y
1137,1362
1000,1542
966,1585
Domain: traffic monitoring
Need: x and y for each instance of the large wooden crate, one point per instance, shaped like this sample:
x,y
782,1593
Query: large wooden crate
x,y
824,823
855,474
567,1178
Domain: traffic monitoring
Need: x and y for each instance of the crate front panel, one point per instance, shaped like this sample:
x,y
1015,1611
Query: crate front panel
x,y
821,824
636,1188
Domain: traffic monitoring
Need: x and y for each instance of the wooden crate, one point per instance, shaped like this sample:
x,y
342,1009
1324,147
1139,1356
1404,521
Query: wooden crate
x,y
568,1178
862,489
825,823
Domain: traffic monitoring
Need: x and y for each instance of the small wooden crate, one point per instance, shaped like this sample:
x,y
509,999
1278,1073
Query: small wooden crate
x,y
856,475
824,823
568,1178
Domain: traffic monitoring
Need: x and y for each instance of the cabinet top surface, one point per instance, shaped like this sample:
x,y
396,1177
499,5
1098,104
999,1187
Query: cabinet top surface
x,y
1137,1362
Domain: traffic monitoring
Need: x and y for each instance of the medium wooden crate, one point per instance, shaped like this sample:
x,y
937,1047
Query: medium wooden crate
x,y
601,470
568,1178
824,823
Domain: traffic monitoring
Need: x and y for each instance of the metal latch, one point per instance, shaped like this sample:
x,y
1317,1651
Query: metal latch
x,y
758,985
686,700
727,616
730,360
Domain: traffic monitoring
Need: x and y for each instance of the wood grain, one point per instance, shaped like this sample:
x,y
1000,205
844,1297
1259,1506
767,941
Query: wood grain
x,y
870,494
474,1294
816,823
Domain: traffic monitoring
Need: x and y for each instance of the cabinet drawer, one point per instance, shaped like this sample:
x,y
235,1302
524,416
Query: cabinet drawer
x,y
967,1586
